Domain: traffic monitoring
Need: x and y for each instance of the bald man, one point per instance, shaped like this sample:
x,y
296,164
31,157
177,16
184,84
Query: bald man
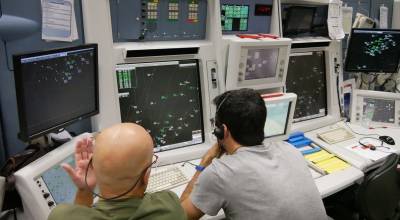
x,y
119,164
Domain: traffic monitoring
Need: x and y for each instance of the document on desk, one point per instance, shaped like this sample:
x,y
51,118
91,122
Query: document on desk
x,y
374,155
58,20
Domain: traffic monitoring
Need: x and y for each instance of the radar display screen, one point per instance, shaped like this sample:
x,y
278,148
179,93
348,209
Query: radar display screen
x,y
306,77
379,110
373,50
59,184
55,88
277,118
234,17
164,98
261,63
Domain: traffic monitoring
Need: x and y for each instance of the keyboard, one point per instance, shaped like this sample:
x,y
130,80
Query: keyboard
x,y
336,135
166,178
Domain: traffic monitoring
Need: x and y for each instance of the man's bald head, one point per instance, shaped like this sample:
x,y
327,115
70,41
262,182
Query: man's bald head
x,y
121,154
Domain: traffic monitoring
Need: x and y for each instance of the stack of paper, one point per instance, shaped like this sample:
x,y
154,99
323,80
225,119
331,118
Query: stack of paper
x,y
327,162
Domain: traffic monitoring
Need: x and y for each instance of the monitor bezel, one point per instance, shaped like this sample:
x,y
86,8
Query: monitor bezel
x,y
199,92
349,49
358,97
238,46
24,134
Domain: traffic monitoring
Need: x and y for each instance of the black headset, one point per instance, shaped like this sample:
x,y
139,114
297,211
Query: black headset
x,y
219,128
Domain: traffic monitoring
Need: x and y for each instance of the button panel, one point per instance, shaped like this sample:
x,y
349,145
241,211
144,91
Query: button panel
x,y
48,199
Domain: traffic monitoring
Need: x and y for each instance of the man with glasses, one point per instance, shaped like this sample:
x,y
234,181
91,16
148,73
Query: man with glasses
x,y
253,180
118,162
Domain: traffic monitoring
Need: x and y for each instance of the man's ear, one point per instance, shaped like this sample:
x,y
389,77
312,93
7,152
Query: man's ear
x,y
226,131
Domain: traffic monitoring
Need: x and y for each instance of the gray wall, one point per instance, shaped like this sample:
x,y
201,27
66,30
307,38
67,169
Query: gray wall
x,y
29,9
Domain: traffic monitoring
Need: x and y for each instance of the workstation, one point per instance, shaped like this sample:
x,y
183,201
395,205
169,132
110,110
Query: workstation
x,y
328,76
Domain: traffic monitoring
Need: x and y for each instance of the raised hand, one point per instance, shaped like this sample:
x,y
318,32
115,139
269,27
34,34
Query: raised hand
x,y
83,154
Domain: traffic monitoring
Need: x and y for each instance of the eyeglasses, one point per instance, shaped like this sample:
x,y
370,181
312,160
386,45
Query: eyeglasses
x,y
153,164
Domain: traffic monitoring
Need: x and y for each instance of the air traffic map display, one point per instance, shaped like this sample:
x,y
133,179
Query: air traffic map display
x,y
60,185
164,98
379,110
373,50
306,77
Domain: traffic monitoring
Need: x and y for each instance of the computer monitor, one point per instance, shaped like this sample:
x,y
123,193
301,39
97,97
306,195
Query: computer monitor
x,y
304,20
373,50
306,77
257,64
374,108
45,184
55,88
280,110
299,20
165,98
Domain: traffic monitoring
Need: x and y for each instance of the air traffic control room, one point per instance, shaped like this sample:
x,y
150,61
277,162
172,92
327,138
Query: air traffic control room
x,y
200,109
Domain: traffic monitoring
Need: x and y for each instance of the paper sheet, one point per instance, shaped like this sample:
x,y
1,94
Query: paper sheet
x,y
335,24
58,20
347,16
383,17
374,155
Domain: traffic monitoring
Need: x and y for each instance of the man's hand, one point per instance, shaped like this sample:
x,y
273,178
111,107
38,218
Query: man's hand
x,y
83,153
214,152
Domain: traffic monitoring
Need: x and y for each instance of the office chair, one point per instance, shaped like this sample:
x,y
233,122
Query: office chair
x,y
379,194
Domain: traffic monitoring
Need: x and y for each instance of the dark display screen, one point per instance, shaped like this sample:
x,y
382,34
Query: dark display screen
x,y
56,87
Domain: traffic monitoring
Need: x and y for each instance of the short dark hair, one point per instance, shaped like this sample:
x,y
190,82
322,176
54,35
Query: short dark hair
x,y
243,111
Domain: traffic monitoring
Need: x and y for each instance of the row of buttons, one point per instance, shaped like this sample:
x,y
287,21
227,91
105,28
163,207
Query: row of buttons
x,y
152,6
193,16
193,7
46,195
152,15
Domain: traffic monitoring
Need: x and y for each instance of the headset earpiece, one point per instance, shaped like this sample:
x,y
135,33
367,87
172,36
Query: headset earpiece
x,y
219,132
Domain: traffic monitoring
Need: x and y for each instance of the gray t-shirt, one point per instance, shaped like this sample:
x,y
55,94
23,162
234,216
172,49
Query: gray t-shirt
x,y
270,181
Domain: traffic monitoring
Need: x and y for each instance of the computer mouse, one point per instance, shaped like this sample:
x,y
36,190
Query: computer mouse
x,y
387,140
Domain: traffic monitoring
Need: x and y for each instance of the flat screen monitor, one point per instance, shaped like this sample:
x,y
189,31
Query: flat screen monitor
x,y
55,88
304,20
277,118
58,182
261,63
165,98
306,77
375,108
280,110
234,17
373,50
299,20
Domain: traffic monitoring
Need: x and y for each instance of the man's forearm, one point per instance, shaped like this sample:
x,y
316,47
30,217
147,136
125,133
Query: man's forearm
x,y
189,187
84,197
